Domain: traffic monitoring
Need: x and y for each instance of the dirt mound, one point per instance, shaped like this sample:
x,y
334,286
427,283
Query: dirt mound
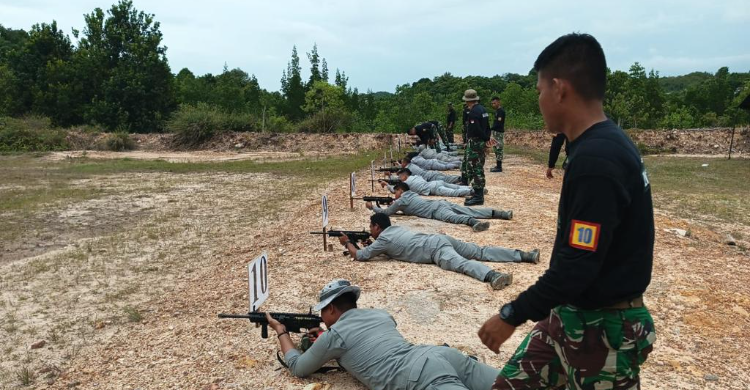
x,y
688,141
251,142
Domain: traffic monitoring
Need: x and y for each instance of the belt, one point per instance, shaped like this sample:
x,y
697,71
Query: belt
x,y
635,302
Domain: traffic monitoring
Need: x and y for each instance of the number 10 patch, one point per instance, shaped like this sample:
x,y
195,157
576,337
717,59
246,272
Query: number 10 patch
x,y
584,235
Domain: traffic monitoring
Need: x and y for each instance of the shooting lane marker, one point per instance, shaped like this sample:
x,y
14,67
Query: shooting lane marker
x,y
257,281
325,222
352,190
372,175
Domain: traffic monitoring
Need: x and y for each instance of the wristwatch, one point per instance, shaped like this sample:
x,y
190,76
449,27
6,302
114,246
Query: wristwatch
x,y
507,314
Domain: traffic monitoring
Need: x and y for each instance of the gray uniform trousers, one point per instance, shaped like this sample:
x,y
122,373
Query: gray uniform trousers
x,y
462,257
441,188
449,369
433,175
453,213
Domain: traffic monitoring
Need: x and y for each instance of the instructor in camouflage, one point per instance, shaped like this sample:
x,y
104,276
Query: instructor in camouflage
x,y
498,133
478,133
593,329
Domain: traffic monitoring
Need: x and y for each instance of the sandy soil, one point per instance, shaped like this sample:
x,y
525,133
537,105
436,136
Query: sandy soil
x,y
187,255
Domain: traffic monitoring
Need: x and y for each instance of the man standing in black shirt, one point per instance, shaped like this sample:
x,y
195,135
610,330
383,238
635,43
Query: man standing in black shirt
x,y
594,330
498,133
477,134
450,122
554,152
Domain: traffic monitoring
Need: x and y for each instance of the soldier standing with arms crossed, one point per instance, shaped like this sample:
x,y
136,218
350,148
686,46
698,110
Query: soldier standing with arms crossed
x,y
477,134
594,330
498,133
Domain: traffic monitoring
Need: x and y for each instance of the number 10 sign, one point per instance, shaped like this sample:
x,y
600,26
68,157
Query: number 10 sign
x,y
257,280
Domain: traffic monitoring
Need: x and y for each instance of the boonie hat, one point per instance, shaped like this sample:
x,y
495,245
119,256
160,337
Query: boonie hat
x,y
470,95
333,290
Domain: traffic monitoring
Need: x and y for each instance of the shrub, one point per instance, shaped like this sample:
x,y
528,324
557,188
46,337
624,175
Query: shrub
x,y
328,121
118,142
31,134
195,124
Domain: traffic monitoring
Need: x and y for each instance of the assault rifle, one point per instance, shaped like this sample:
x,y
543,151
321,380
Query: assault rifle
x,y
354,236
293,322
379,199
389,181
389,169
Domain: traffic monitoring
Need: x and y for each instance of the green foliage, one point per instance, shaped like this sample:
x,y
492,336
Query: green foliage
x,y
327,121
118,142
323,96
30,134
195,124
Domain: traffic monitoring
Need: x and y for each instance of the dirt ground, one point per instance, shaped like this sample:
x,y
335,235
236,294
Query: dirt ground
x,y
134,305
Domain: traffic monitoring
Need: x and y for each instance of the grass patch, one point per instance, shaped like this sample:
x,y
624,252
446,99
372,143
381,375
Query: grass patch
x,y
537,155
683,185
321,168
133,315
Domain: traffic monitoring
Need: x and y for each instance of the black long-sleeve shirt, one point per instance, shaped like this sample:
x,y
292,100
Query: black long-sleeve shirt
x,y
604,246
424,132
499,123
554,149
451,120
478,123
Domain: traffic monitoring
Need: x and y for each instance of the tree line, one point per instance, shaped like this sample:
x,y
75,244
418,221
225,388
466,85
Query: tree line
x,y
117,76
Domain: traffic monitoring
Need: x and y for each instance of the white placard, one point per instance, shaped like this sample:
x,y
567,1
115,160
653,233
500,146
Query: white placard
x,y
257,281
353,184
325,211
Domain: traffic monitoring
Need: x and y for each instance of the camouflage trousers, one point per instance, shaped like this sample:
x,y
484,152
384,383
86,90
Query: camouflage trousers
x,y
472,167
498,148
443,135
449,133
581,350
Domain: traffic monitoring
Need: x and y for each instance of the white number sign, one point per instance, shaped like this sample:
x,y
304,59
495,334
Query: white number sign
x,y
325,211
353,184
257,281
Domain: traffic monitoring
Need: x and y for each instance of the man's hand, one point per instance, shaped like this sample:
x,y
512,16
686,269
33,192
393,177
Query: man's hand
x,y
549,173
368,205
494,332
275,325
343,239
382,183
492,142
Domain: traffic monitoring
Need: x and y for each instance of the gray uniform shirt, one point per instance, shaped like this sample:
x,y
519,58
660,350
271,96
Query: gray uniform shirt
x,y
435,164
411,204
416,184
367,345
426,174
402,244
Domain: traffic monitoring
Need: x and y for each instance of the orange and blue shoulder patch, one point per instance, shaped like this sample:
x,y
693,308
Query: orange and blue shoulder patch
x,y
584,235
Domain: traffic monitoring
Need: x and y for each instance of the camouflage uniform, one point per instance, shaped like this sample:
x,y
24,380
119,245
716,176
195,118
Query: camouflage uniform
x,y
474,158
498,148
582,349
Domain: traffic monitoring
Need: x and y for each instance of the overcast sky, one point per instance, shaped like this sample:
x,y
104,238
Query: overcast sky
x,y
382,44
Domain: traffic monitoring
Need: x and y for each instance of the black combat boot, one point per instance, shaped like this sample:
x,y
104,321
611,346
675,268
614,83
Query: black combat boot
x,y
530,257
478,226
476,200
500,214
498,280
498,168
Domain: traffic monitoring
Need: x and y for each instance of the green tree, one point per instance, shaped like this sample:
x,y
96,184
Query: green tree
x,y
129,79
323,96
292,88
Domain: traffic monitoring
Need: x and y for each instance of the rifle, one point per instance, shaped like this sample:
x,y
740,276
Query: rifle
x,y
354,236
389,181
379,199
389,169
293,322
